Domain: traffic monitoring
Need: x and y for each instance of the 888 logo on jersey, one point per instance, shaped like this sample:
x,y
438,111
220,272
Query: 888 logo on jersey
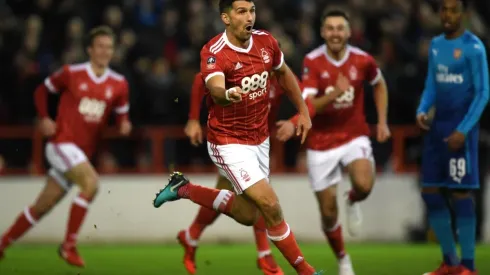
x,y
345,100
256,85
92,109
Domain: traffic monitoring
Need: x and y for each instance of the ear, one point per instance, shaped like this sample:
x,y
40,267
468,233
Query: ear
x,y
225,18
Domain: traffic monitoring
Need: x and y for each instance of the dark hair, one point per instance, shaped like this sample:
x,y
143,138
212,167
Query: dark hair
x,y
224,5
334,13
99,31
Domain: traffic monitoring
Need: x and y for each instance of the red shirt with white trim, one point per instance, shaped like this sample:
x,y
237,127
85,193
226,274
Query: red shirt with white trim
x,y
344,119
245,122
86,103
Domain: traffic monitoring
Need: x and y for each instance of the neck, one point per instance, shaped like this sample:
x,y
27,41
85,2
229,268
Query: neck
x,y
98,70
235,41
336,55
455,34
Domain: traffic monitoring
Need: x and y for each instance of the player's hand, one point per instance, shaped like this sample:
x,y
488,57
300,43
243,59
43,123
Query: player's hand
x,y
125,128
455,141
285,130
343,83
193,131
423,121
47,126
304,126
234,94
383,132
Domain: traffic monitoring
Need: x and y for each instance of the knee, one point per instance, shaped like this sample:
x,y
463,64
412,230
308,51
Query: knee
x,y
329,213
269,205
363,187
90,185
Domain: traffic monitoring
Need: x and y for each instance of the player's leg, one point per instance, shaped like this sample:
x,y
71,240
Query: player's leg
x,y
69,159
358,159
277,229
464,207
189,237
324,174
241,165
439,216
266,200
207,216
54,190
463,180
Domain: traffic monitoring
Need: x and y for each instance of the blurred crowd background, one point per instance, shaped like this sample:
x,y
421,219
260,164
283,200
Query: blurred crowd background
x,y
158,52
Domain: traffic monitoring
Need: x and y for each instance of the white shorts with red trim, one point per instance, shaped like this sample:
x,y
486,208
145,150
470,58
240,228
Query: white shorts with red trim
x,y
242,165
325,167
62,157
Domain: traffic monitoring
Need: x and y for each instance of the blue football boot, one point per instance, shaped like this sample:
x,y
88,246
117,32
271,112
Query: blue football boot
x,y
169,193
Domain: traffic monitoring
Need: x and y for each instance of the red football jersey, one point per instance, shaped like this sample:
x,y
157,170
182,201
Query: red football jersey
x,y
344,119
86,102
199,90
245,122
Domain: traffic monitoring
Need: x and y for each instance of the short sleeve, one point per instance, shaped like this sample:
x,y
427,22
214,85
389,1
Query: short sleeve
x,y
373,73
211,64
278,58
58,81
122,102
309,78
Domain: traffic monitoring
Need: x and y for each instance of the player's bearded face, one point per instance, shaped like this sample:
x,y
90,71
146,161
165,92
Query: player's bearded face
x,y
102,50
242,19
336,32
451,15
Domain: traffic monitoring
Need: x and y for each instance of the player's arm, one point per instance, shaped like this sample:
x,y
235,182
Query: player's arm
x,y
54,84
310,82
193,127
197,94
122,110
429,93
311,112
213,74
289,83
479,71
380,90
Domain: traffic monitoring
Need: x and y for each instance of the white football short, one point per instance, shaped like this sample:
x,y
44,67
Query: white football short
x,y
325,167
62,157
242,165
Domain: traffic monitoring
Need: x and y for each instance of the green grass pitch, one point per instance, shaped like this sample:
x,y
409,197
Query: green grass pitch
x,y
369,259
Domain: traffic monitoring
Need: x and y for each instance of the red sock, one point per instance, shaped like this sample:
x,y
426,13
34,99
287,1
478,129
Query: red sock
x,y
219,200
284,240
336,241
354,197
261,239
78,211
204,217
23,223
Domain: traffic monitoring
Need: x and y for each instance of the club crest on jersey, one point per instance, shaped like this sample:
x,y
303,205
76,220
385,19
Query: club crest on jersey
x,y
306,70
265,55
108,92
457,53
83,87
353,73
211,62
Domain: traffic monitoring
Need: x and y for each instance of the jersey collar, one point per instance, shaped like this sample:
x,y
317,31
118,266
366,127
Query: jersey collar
x,y
238,49
337,63
93,76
